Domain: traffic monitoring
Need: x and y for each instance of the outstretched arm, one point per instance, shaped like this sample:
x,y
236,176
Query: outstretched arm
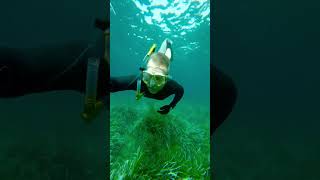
x,y
224,97
178,94
179,91
122,83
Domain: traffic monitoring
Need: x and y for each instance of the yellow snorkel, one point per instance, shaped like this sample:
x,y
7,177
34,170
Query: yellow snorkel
x,y
92,106
152,49
139,95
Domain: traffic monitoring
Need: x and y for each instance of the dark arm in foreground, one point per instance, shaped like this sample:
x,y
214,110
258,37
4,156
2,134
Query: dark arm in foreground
x,y
224,95
25,72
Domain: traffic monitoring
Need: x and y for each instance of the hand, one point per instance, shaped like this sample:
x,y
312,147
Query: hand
x,y
164,109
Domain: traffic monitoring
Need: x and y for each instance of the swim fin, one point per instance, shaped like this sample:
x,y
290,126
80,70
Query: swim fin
x,y
166,48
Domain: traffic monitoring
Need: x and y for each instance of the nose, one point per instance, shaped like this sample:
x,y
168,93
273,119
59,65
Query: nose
x,y
152,82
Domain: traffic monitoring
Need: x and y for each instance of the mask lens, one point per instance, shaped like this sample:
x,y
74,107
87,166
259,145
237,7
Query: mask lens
x,y
160,80
156,80
146,77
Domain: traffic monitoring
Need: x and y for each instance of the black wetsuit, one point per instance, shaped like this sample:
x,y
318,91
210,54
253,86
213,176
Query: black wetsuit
x,y
130,83
28,71
223,97
52,67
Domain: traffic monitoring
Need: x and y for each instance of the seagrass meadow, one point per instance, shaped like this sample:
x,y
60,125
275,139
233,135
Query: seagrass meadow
x,y
148,145
144,143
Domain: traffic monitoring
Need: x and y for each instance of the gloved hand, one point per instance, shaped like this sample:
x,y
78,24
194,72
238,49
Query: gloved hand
x,y
164,109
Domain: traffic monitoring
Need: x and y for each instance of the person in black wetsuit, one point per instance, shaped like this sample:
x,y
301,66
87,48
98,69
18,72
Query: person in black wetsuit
x,y
154,81
26,71
130,83
51,68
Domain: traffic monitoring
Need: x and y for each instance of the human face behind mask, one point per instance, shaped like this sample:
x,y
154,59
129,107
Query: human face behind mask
x,y
155,76
154,82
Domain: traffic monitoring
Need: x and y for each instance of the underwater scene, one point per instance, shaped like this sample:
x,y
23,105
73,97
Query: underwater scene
x,y
271,51
148,139
42,135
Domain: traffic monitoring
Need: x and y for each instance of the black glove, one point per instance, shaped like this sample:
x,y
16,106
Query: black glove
x,y
164,109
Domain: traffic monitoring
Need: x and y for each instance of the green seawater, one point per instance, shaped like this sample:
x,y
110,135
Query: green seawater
x,y
144,143
42,135
270,49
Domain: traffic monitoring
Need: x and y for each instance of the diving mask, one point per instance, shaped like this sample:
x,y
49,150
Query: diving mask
x,y
154,80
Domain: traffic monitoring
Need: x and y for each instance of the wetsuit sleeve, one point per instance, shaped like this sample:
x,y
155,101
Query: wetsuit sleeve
x,y
224,97
178,93
123,83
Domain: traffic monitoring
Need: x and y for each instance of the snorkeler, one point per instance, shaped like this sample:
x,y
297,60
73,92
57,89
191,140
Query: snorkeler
x,y
27,71
154,81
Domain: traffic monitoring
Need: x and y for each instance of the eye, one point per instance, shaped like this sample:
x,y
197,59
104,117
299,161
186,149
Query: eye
x,y
157,78
160,79
146,76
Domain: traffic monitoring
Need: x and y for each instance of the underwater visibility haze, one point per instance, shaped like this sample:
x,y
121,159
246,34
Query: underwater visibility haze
x,y
42,135
144,143
271,50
